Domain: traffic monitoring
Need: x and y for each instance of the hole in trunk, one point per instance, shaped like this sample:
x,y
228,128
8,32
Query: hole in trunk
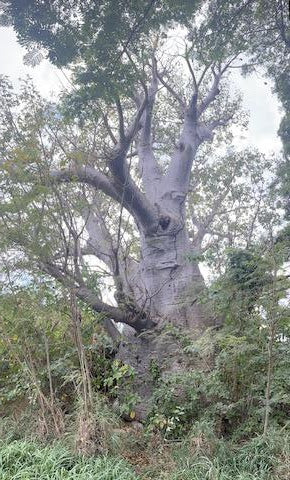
x,y
164,222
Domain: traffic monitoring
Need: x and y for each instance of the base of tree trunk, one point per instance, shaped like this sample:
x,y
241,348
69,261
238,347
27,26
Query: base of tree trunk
x,y
154,355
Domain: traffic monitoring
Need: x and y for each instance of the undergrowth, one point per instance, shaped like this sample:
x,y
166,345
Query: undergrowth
x,y
21,460
223,416
199,456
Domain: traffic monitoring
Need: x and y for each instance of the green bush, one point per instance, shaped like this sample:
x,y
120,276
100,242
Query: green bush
x,y
225,385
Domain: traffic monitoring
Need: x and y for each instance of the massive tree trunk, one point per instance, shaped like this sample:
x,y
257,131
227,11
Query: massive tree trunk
x,y
172,294
172,281
172,288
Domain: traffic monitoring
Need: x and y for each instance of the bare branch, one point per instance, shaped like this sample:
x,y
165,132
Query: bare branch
x,y
195,85
121,120
109,129
212,93
172,92
203,75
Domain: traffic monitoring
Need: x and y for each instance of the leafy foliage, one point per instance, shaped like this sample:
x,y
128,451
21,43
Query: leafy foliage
x,y
95,34
226,389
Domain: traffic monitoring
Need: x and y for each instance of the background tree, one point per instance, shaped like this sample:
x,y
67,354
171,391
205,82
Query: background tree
x,y
262,30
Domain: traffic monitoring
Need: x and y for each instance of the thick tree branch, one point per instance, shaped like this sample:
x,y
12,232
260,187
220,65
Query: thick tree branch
x,y
121,188
214,89
88,175
194,132
177,177
187,59
199,82
220,122
131,196
150,170
137,320
99,243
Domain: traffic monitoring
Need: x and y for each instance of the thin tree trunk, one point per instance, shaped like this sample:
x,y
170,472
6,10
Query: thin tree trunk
x,y
269,379
52,399
273,318
85,372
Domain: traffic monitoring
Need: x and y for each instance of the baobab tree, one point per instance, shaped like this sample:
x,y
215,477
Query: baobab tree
x,y
109,172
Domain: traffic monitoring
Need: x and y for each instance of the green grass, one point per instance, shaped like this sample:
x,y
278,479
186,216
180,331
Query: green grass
x,y
257,459
210,459
219,459
23,460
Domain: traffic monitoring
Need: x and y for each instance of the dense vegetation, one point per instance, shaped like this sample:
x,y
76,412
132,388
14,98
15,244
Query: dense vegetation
x,y
118,360
208,422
